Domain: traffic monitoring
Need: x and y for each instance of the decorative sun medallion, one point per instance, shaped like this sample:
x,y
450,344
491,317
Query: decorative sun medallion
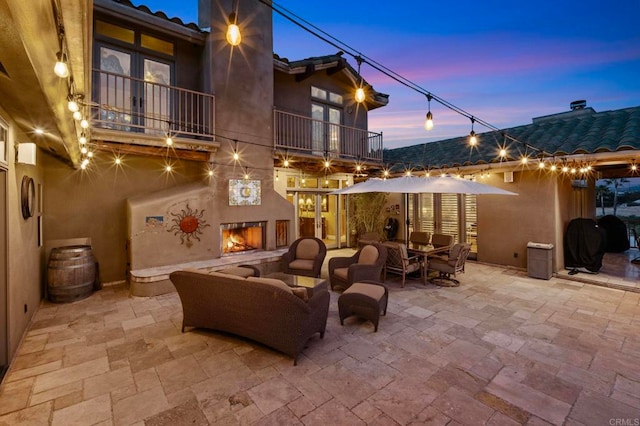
x,y
188,224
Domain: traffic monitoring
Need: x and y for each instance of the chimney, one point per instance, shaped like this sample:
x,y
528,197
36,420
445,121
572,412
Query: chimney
x,y
575,105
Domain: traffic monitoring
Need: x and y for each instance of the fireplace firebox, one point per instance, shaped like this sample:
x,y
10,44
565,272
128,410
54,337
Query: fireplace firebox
x,y
242,237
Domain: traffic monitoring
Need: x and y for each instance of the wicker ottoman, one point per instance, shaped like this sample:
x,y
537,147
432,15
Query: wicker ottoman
x,y
365,299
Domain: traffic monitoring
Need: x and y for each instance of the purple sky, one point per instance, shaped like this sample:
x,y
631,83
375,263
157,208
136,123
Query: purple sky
x,y
502,61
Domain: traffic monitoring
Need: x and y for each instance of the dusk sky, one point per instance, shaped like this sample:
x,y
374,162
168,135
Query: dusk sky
x,y
504,62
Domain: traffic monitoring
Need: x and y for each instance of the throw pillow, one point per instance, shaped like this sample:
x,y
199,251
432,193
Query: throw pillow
x,y
301,292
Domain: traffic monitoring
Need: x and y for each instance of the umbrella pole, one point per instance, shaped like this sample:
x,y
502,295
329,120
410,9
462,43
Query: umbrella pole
x,y
406,207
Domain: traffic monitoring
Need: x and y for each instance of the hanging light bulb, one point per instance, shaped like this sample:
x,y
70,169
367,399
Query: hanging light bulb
x,y
168,168
473,139
286,163
82,139
541,165
77,115
169,141
84,150
524,160
428,123
503,153
84,123
554,167
90,154
118,161
210,172
360,96
61,69
326,164
234,37
72,104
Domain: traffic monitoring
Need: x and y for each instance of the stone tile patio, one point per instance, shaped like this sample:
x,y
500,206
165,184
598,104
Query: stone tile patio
x,y
501,349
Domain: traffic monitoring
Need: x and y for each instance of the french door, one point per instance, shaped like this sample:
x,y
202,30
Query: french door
x,y
452,214
325,129
319,216
133,91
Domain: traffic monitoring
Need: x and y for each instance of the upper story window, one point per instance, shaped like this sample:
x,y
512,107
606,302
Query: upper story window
x,y
326,95
128,36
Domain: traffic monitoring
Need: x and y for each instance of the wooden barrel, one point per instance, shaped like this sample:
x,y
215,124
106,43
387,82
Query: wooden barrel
x,y
71,273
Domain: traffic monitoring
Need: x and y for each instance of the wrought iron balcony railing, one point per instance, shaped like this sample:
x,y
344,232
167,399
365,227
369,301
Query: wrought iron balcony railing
x,y
134,105
304,134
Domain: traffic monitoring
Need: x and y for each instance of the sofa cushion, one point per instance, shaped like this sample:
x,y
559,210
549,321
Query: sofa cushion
x,y
303,264
301,292
227,276
238,271
342,273
272,282
372,290
368,255
307,249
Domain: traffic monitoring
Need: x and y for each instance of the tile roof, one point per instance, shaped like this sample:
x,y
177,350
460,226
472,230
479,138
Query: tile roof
x,y
160,14
581,131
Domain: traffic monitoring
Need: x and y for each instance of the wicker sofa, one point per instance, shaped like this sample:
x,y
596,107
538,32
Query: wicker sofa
x,y
261,309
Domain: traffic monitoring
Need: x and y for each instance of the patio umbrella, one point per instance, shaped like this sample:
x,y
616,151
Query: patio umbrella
x,y
423,185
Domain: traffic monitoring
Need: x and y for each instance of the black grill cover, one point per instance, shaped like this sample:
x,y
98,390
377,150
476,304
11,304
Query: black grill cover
x,y
584,245
617,237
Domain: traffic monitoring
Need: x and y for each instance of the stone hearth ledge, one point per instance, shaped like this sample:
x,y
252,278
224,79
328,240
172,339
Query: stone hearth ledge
x,y
155,281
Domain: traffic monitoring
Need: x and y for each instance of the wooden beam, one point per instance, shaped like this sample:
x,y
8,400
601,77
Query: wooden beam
x,y
311,68
339,67
153,151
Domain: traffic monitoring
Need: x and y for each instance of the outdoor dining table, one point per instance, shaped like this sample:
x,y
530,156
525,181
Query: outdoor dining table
x,y
425,250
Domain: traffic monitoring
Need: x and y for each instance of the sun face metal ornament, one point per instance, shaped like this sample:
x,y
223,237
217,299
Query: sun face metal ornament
x,y
188,224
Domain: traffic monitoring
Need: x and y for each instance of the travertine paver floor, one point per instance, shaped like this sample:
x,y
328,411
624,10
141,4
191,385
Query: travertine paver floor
x,y
501,349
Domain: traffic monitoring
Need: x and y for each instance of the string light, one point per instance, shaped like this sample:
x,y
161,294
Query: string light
x,y
236,156
61,69
234,37
72,104
428,123
77,115
360,95
473,140
169,141
340,45
84,123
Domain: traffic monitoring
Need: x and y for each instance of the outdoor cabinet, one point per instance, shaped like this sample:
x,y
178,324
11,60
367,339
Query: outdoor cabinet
x,y
540,260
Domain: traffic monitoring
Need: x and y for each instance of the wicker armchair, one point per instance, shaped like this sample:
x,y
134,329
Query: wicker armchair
x,y
399,261
305,257
451,265
420,237
366,264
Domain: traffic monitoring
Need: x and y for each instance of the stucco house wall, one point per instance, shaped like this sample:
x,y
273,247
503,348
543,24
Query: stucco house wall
x,y
24,272
289,95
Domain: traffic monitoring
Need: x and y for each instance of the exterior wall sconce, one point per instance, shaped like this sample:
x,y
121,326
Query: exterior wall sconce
x,y
26,153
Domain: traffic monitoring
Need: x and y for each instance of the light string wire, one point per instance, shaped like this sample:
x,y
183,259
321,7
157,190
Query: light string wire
x,y
359,56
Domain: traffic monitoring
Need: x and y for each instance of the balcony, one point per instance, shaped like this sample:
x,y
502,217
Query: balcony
x,y
126,104
319,138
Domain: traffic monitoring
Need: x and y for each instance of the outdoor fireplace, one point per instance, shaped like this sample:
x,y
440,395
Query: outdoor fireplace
x,y
242,237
